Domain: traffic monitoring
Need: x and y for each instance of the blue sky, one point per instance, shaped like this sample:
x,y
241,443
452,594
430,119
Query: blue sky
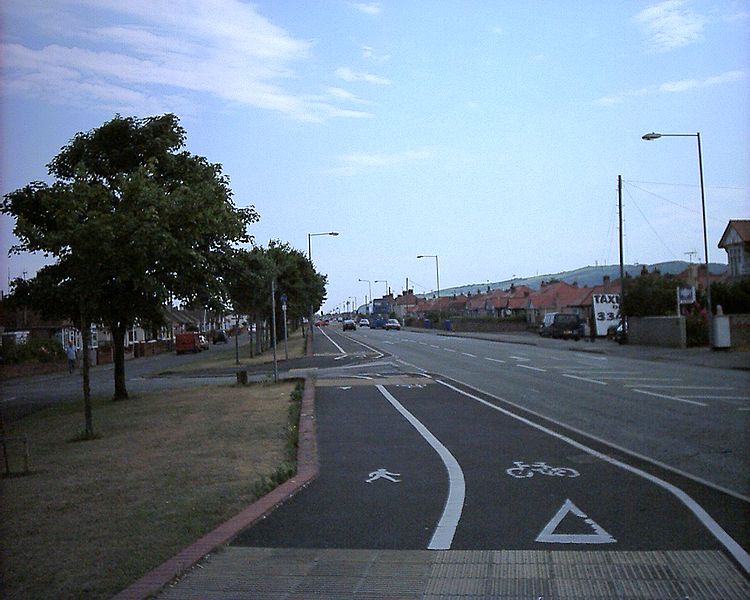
x,y
488,133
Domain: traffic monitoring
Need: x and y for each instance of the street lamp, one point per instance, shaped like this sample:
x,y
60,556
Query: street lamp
x,y
385,281
369,283
655,136
309,257
437,277
309,241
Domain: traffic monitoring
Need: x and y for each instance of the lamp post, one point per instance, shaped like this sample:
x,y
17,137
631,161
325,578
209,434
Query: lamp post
x,y
386,284
437,277
369,283
309,257
655,136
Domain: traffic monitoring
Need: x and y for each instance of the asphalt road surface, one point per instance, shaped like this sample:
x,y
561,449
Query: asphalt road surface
x,y
430,442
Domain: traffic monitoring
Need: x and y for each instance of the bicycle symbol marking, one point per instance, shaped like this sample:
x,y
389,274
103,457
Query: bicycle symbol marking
x,y
524,470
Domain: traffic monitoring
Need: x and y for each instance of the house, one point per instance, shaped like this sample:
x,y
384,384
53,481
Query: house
x,y
736,241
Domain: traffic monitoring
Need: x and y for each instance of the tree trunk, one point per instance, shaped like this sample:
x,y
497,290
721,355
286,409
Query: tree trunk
x,y
118,351
85,366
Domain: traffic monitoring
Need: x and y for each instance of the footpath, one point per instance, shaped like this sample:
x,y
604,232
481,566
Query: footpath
x,y
211,569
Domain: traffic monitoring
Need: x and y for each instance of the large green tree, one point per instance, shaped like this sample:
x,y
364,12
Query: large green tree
x,y
132,219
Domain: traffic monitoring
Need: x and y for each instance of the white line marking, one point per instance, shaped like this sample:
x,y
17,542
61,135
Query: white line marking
x,y
523,358
532,368
549,536
442,538
717,397
669,397
469,354
584,379
739,553
378,352
677,387
450,350
580,355
497,360
330,340
636,378
434,346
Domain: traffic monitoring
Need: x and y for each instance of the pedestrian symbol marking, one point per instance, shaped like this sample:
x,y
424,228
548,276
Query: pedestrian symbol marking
x,y
548,535
383,474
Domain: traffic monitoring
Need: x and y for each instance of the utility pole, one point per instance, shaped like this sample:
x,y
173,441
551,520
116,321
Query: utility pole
x,y
622,262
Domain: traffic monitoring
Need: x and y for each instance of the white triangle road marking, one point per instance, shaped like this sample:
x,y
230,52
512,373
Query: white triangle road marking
x,y
548,535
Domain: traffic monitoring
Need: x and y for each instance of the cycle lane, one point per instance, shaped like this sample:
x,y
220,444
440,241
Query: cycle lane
x,y
605,506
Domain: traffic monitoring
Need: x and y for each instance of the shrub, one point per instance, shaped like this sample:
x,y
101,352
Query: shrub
x,y
33,350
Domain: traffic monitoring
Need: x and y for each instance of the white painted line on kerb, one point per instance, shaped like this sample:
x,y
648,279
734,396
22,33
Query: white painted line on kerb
x,y
442,538
677,399
532,368
497,360
330,340
737,551
584,379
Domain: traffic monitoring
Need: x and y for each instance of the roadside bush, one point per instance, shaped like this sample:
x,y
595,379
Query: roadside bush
x,y
44,351
696,330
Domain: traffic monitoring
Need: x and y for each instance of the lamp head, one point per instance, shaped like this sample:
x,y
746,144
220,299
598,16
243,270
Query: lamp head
x,y
651,136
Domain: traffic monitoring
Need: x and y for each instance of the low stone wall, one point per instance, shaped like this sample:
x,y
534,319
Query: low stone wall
x,y
739,331
668,332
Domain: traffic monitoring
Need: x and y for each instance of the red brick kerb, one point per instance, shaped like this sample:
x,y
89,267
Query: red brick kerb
x,y
307,470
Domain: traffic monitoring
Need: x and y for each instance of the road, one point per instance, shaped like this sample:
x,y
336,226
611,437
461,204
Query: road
x,y
432,442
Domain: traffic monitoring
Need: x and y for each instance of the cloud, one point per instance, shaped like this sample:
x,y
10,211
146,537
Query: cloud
x,y
670,25
169,56
356,163
672,87
368,8
368,53
347,74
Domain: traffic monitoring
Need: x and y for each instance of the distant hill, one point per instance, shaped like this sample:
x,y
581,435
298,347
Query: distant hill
x,y
584,277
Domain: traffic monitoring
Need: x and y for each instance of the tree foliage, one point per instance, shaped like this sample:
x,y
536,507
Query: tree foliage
x,y
132,219
296,278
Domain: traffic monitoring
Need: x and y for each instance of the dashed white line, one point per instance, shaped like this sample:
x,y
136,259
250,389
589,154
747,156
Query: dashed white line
x,y
675,398
532,368
469,354
521,358
584,379
497,360
450,350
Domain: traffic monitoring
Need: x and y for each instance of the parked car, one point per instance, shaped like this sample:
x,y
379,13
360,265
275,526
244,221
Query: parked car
x,y
567,326
203,341
392,324
621,333
220,337
364,323
187,342
349,324
545,329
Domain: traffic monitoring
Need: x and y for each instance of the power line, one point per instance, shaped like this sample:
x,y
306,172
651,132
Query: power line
x,y
656,233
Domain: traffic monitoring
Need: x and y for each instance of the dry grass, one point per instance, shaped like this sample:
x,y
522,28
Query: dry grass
x,y
168,467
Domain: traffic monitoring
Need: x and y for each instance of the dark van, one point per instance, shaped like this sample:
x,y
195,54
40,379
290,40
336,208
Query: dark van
x,y
567,326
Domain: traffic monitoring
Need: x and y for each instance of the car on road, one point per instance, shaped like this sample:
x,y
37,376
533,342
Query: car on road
x,y
392,324
364,323
349,324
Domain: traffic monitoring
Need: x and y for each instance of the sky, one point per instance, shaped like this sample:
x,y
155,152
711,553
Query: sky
x,y
490,134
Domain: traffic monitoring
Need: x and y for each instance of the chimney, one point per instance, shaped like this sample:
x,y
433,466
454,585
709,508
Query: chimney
x,y
605,281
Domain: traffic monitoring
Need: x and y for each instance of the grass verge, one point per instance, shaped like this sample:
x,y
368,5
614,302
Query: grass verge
x,y
167,468
226,358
